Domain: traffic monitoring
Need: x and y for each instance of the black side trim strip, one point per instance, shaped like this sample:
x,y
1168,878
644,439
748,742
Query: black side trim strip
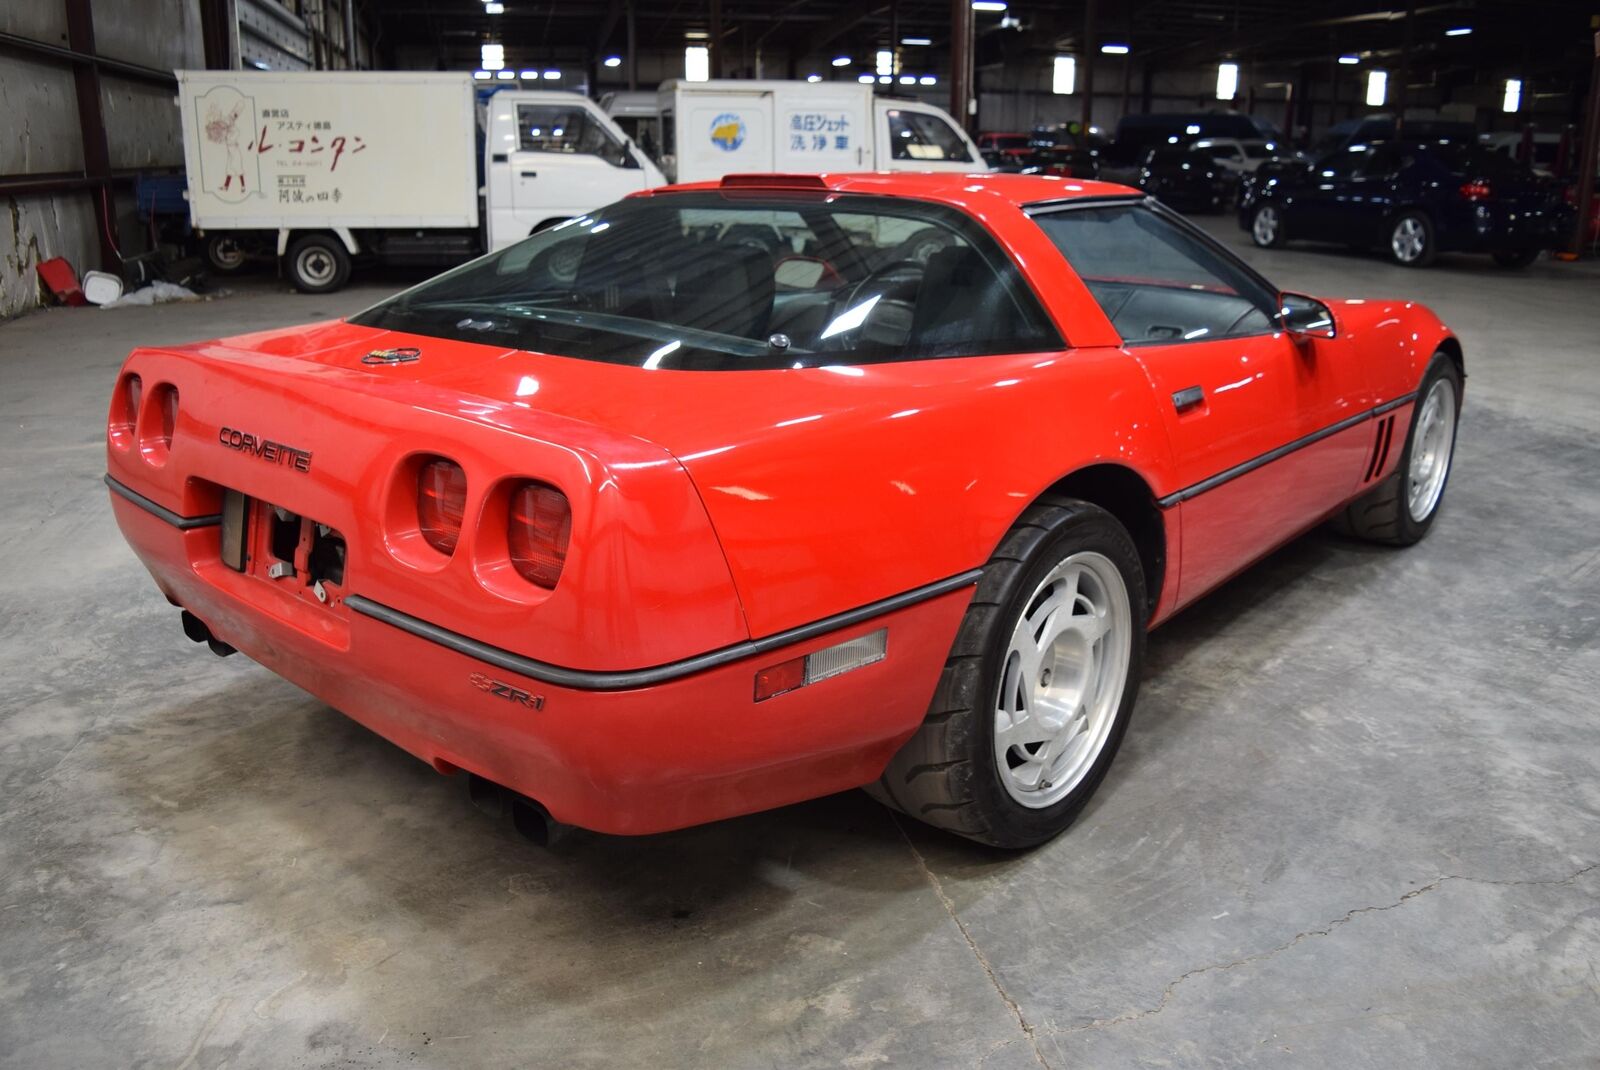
x,y
1390,406
177,520
585,680
1282,451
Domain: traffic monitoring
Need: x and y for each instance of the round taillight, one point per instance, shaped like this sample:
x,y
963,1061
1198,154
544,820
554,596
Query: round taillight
x,y
441,503
539,528
155,432
125,411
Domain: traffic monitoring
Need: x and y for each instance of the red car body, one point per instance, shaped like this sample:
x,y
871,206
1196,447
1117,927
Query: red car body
x,y
721,523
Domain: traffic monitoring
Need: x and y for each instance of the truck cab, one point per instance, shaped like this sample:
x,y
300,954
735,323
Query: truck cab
x,y
711,129
551,156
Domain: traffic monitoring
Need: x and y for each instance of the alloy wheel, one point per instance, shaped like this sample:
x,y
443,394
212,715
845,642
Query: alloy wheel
x,y
1062,681
1431,450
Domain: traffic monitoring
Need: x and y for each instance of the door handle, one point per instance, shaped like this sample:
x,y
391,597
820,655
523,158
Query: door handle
x,y
1187,398
530,174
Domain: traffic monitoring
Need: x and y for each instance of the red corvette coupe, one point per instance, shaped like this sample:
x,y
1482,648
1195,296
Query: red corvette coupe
x,y
732,495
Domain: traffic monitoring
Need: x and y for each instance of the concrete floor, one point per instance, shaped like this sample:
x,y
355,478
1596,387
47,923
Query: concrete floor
x,y
1356,821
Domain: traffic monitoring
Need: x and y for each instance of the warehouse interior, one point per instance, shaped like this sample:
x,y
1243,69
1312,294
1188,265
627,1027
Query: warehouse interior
x,y
1355,820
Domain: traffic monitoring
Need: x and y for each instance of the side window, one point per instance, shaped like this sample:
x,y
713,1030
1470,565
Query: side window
x,y
1155,281
566,130
1346,163
920,135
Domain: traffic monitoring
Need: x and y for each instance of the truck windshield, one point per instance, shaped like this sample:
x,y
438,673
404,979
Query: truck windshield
x,y
739,280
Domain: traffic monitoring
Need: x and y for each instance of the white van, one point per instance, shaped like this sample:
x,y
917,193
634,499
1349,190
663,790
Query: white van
x,y
322,167
711,129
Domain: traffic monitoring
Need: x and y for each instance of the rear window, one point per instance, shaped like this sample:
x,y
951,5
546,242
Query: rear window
x,y
745,280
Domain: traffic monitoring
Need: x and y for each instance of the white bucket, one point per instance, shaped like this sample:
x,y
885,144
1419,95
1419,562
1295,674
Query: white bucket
x,y
101,288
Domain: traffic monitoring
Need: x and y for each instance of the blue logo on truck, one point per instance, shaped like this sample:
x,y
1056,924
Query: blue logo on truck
x,y
727,131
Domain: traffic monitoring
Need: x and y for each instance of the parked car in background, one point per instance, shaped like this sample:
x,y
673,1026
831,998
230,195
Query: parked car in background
x,y
1004,149
1240,156
1039,153
1546,149
1371,128
656,527
1187,178
1137,134
1412,200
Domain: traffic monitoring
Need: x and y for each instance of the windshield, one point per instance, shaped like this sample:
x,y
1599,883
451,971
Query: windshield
x,y
739,280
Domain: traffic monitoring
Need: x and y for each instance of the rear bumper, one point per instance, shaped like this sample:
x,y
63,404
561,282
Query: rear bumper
x,y
620,753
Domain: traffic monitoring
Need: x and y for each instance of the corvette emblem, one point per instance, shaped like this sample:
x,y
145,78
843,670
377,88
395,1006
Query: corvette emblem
x,y
403,355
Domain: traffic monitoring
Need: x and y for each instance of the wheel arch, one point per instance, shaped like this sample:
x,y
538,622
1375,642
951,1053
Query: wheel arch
x,y
1125,494
1450,346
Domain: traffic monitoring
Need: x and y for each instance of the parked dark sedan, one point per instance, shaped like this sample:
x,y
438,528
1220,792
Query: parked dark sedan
x,y
1412,199
1187,178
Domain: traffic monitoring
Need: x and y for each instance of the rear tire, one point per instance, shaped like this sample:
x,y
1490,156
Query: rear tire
x,y
1514,259
225,254
1018,737
318,264
1401,510
1411,242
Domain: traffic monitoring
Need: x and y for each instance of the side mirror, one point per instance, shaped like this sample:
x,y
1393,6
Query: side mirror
x,y
1305,317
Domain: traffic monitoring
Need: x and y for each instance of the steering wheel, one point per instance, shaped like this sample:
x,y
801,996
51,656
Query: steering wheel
x,y
889,321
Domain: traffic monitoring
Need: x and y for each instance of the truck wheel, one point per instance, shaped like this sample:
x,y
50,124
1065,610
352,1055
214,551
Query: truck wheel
x,y
1400,510
1037,692
318,264
225,253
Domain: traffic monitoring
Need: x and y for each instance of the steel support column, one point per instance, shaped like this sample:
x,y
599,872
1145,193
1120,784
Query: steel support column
x,y
1090,51
961,62
1589,157
92,129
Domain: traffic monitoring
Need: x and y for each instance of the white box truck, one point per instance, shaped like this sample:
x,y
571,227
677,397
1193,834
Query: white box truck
x,y
710,129
400,167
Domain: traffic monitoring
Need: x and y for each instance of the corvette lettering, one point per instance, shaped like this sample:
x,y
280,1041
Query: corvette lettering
x,y
266,449
506,691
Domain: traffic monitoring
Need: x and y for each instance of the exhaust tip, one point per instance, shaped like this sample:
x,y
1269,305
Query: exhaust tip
x,y
219,648
531,820
195,628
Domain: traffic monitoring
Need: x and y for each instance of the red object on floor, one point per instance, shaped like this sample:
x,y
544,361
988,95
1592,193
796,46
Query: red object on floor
x,y
59,278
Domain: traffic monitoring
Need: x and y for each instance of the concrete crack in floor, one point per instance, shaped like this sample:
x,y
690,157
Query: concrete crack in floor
x,y
1172,986
1028,1030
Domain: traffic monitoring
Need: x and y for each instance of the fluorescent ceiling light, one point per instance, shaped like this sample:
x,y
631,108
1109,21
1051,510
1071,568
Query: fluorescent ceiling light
x,y
841,61
1064,77
552,76
1349,60
697,35
697,63
885,62
1458,31
492,57
908,79
505,76
492,8
1513,98
928,79
1227,81
1377,87
1115,50
915,41
866,79
988,5
813,77
613,61
482,76
530,74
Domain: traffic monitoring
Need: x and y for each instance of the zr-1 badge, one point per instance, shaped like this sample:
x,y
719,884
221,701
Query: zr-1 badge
x,y
506,691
